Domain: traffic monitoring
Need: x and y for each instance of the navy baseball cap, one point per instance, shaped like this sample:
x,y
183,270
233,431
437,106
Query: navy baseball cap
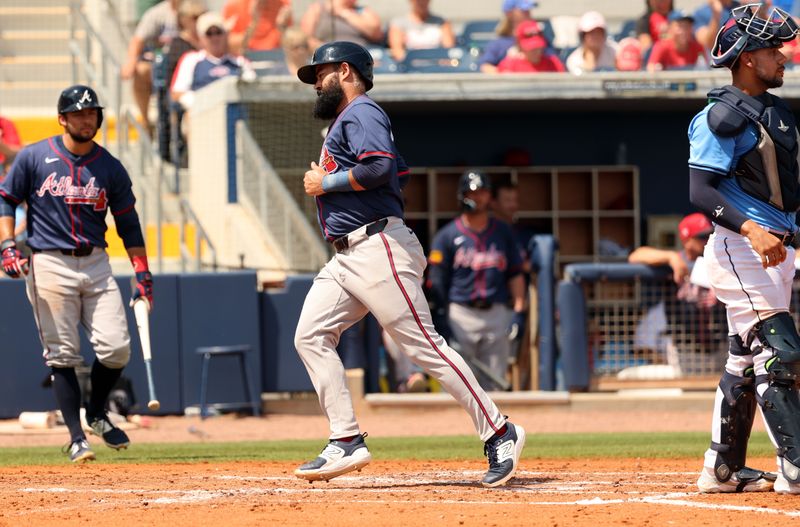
x,y
680,14
525,5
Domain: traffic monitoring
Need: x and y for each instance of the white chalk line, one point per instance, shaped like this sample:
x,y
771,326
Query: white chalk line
x,y
316,494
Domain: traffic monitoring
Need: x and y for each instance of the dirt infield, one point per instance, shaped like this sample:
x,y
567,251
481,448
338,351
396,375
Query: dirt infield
x,y
629,492
410,494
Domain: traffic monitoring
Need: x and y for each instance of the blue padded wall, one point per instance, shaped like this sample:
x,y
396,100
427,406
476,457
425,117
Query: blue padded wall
x,y
218,310
21,349
282,369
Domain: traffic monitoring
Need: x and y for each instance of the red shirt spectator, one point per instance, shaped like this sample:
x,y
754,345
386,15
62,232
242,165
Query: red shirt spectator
x,y
652,26
629,55
273,17
9,142
530,55
681,49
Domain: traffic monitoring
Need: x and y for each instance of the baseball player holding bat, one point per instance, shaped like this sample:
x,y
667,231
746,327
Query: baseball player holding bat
x,y
743,174
377,268
69,183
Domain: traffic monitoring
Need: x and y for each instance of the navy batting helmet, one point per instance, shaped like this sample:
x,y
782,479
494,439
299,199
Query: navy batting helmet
x,y
76,98
749,28
334,53
472,180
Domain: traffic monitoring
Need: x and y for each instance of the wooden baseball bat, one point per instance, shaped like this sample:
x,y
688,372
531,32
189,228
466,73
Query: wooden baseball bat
x,y
142,312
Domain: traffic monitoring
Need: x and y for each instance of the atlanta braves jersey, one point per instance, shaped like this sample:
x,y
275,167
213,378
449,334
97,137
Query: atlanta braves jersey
x,y
361,131
475,266
68,195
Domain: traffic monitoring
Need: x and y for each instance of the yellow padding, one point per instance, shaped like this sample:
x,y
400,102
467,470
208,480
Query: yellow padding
x,y
34,129
170,233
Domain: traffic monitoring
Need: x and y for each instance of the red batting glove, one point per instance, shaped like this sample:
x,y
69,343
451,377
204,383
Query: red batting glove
x,y
14,264
144,280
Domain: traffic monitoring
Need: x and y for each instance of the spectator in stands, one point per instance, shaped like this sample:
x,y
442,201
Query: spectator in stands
x,y
596,52
327,20
188,39
514,11
10,144
710,17
680,50
629,55
256,24
530,54
210,63
652,26
157,27
419,29
296,50
693,231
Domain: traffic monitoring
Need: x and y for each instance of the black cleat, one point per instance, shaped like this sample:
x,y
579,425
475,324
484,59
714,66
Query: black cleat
x,y
112,436
503,453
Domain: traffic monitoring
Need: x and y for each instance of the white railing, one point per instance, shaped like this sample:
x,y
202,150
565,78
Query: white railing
x,y
91,53
263,192
200,237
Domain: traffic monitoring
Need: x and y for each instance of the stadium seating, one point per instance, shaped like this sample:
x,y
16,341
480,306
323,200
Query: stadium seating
x,y
477,33
628,29
384,63
440,60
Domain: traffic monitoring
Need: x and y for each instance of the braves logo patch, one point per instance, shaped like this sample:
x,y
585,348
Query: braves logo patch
x,y
327,161
89,194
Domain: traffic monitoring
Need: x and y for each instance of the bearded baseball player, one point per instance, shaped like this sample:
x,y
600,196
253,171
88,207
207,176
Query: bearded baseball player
x,y
377,268
744,175
476,270
69,183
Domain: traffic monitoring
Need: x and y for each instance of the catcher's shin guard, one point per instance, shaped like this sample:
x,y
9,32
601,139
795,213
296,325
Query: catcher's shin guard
x,y
737,411
780,402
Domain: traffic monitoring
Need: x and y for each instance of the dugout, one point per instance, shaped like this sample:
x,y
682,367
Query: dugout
x,y
458,120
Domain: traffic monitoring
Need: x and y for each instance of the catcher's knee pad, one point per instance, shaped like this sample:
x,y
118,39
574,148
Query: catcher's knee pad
x,y
780,402
737,411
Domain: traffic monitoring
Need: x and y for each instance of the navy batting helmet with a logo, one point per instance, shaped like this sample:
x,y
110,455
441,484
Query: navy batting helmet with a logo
x,y
751,27
76,98
470,181
337,52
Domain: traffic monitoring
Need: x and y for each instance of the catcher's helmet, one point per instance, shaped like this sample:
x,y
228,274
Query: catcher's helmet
x,y
336,52
749,28
78,97
471,180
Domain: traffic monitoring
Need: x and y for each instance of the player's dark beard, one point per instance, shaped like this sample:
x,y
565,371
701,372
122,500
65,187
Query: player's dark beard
x,y
775,81
80,139
328,101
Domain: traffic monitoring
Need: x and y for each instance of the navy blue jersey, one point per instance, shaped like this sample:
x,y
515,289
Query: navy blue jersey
x,y
475,266
361,131
67,195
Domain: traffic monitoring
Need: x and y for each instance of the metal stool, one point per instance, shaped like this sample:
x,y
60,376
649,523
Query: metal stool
x,y
223,351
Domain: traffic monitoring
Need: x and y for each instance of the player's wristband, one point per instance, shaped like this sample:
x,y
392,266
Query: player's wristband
x,y
7,243
140,264
337,182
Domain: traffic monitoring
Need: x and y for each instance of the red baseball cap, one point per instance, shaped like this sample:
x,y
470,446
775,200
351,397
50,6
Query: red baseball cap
x,y
529,36
694,225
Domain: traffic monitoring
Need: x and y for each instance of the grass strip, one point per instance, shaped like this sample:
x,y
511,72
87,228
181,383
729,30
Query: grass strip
x,y
538,446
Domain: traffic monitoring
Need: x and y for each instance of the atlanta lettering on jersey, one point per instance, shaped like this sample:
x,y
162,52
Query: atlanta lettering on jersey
x,y
88,194
471,258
